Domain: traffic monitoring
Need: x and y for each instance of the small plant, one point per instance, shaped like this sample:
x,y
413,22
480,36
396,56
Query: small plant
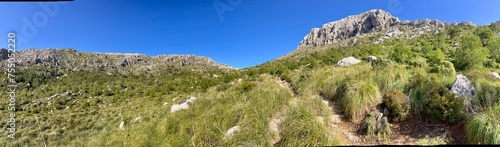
x,y
375,125
369,125
398,105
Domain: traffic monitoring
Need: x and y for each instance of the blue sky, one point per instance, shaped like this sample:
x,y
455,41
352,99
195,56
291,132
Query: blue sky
x,y
247,33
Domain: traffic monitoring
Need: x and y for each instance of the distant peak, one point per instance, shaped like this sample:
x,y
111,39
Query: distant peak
x,y
333,32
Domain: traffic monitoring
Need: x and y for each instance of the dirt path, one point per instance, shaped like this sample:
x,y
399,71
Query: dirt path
x,y
274,124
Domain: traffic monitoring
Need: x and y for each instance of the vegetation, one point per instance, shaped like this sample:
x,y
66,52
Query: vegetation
x,y
484,128
398,105
411,77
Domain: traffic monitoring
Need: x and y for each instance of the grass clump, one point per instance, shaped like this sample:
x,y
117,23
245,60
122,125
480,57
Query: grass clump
x,y
484,128
359,97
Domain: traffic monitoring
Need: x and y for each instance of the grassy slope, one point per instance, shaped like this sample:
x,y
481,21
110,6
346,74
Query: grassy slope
x,y
252,104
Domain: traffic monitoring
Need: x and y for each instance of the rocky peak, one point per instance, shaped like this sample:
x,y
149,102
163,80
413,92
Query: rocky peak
x,y
351,26
374,21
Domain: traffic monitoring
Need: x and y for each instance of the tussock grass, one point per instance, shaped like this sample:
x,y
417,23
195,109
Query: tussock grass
x,y
206,121
302,128
484,128
359,97
488,94
392,79
328,81
369,125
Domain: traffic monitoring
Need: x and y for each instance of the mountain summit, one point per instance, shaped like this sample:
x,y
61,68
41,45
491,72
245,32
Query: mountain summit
x,y
351,26
372,21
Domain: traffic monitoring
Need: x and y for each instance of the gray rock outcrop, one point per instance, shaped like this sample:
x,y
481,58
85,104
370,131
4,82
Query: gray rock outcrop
x,y
355,25
463,87
348,61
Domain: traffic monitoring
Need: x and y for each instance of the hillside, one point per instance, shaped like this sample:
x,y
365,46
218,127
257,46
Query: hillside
x,y
419,82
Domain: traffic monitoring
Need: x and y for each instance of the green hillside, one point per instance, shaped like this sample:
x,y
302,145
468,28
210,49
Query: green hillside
x,y
301,99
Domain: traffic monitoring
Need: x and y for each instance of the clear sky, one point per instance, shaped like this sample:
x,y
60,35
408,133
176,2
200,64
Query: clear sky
x,y
240,33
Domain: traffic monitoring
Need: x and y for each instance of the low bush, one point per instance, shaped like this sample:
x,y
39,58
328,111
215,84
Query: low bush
x,y
398,105
446,107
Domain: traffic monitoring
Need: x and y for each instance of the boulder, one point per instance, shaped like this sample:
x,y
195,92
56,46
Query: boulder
x,y
231,131
122,127
178,107
137,118
182,106
371,58
463,87
495,74
348,61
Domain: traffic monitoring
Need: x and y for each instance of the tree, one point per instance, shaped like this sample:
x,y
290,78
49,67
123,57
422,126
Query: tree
x,y
471,53
494,47
402,54
484,34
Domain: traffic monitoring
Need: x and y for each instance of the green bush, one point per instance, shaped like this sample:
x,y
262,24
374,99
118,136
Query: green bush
x,y
382,63
471,54
397,104
445,68
484,128
445,107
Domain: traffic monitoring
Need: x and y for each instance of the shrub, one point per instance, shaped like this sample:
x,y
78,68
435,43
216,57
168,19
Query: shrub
x,y
471,54
484,128
445,68
445,107
397,104
359,97
382,63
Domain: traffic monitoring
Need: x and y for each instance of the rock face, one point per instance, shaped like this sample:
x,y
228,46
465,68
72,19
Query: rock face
x,y
463,87
333,32
370,22
348,61
72,60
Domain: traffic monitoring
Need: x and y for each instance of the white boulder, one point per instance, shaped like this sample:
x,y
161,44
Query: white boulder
x,y
231,131
178,107
463,87
348,61
495,74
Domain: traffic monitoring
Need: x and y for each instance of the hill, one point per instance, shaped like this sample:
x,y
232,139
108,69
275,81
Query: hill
x,y
367,79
